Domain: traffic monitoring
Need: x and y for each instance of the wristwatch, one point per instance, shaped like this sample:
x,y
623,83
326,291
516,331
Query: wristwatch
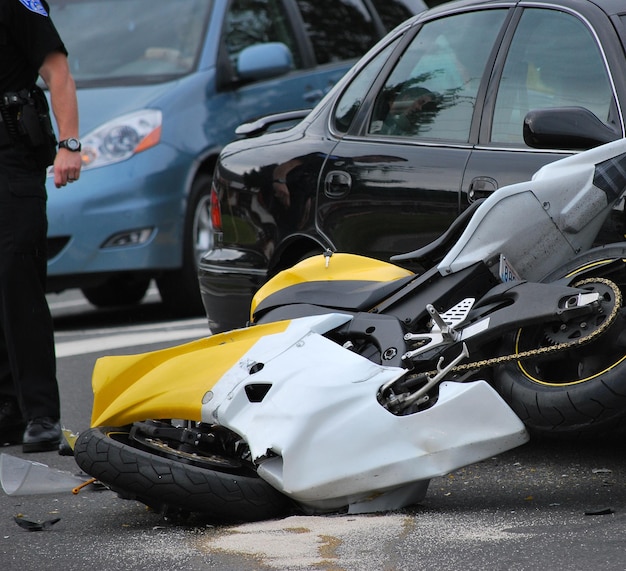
x,y
70,144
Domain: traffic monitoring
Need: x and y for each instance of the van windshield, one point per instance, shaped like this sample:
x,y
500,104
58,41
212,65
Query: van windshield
x,y
114,42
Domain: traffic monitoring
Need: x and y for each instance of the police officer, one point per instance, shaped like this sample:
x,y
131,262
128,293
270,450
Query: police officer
x,y
30,47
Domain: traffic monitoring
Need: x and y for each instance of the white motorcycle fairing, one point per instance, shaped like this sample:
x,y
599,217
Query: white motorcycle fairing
x,y
308,410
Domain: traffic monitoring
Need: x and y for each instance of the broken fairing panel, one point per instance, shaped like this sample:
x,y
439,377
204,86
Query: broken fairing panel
x,y
319,408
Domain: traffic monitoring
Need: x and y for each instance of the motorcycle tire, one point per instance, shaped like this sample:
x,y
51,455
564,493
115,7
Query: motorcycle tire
x,y
577,393
173,487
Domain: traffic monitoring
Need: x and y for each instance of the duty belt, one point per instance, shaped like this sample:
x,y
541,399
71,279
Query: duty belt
x,y
12,104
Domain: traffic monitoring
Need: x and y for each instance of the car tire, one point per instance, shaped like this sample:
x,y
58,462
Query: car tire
x,y
117,291
179,289
292,259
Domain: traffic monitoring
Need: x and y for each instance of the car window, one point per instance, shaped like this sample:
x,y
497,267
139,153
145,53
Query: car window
x,y
250,22
134,41
352,98
394,12
432,89
553,61
339,29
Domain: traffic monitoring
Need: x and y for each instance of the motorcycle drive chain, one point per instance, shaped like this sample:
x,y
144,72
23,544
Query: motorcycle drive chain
x,y
551,348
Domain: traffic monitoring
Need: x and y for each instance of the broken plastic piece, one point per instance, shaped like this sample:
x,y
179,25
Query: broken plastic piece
x,y
35,525
601,511
20,477
78,488
66,448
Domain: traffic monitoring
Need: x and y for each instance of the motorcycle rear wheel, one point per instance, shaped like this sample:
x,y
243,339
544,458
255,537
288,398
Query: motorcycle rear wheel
x,y
220,490
580,392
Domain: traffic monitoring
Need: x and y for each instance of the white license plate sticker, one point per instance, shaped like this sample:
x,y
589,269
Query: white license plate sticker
x,y
507,272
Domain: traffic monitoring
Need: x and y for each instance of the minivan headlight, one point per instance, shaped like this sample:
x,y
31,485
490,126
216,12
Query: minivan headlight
x,y
121,138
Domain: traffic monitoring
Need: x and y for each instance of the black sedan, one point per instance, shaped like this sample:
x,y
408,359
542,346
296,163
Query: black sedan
x,y
427,122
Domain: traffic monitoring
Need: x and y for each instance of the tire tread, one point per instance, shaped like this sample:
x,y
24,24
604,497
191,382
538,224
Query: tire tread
x,y
171,486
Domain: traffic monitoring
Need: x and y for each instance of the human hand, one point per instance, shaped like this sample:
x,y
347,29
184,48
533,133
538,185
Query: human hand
x,y
67,165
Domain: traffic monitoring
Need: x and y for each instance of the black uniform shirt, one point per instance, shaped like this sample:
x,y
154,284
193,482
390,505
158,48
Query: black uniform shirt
x,y
27,36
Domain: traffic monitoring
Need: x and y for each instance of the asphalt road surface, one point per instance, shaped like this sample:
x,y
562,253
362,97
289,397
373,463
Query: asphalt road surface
x,y
542,506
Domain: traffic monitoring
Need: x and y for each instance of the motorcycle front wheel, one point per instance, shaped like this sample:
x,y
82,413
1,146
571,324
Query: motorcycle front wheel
x,y
578,392
174,483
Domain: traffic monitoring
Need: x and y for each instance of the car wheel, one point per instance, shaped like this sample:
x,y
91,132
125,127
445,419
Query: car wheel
x,y
118,290
291,259
179,289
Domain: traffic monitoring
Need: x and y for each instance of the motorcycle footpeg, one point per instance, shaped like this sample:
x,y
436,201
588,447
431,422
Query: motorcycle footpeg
x,y
443,329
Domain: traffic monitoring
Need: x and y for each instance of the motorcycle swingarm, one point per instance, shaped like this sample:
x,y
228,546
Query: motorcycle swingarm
x,y
508,307
505,308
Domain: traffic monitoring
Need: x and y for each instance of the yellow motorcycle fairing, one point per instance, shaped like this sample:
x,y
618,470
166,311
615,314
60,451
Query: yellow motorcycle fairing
x,y
339,267
169,383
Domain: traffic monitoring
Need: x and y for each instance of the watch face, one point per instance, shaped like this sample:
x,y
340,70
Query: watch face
x,y
71,144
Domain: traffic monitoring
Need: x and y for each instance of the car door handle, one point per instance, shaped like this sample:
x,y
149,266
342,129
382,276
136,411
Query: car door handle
x,y
481,187
337,184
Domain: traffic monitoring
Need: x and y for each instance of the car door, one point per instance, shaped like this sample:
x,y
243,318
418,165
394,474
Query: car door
x,y
554,59
406,124
333,45
249,23
309,29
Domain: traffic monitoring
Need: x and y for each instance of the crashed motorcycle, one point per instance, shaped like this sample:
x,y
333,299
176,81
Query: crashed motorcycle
x,y
358,381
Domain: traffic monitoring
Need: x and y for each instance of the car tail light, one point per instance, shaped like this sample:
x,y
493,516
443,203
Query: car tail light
x,y
216,213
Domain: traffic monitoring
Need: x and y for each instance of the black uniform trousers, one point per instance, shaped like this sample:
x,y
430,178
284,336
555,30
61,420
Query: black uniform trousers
x,y
27,358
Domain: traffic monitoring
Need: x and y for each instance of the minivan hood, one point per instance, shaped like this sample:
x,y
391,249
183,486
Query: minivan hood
x,y
97,105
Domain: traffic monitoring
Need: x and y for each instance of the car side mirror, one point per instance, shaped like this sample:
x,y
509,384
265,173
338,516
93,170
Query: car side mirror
x,y
264,61
572,128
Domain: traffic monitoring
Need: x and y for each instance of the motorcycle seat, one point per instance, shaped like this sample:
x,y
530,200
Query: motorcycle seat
x,y
342,295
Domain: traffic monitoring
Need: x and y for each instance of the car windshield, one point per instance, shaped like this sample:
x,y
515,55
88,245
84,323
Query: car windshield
x,y
113,42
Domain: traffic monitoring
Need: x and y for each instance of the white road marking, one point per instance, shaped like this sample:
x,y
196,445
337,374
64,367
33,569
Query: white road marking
x,y
97,340
97,344
69,303
200,324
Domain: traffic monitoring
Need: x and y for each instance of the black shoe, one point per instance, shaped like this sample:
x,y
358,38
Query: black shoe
x,y
12,424
42,434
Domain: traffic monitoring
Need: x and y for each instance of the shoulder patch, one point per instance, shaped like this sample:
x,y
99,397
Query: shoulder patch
x,y
35,6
